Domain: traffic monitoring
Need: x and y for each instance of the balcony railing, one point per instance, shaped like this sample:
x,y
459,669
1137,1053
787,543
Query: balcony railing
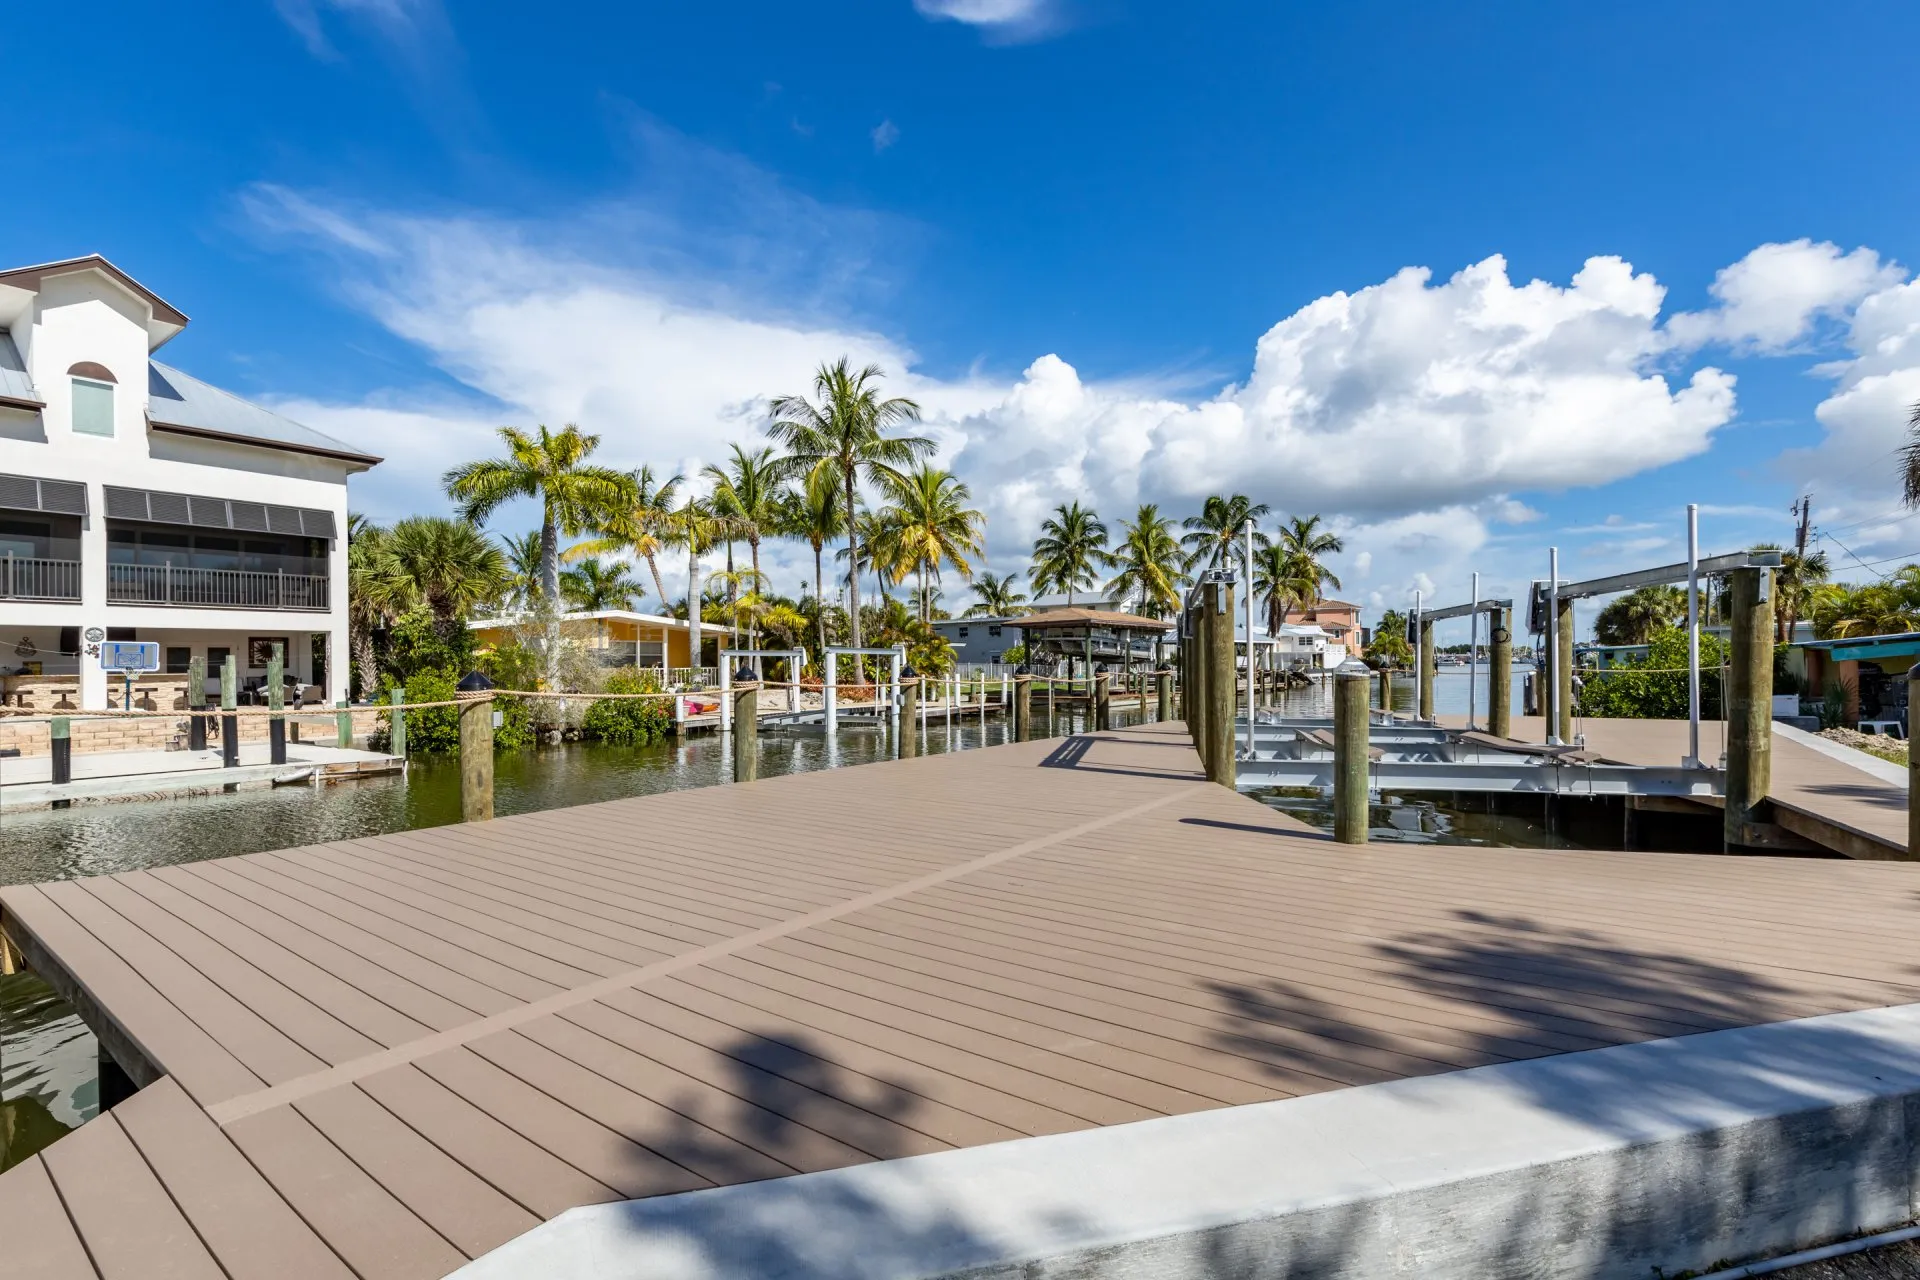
x,y
214,588
31,578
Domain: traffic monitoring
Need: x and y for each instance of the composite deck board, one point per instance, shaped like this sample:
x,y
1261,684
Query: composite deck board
x,y
40,1239
396,1053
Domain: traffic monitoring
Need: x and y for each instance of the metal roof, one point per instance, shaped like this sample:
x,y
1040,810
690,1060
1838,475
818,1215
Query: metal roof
x,y
182,403
15,385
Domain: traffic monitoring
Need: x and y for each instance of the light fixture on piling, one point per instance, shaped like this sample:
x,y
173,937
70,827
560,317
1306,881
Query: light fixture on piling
x,y
474,682
745,674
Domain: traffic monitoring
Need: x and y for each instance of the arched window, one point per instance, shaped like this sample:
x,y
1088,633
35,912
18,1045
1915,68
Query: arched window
x,y
92,398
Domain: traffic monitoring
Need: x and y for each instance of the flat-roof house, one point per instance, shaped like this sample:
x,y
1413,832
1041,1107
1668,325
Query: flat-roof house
x,y
140,503
1091,637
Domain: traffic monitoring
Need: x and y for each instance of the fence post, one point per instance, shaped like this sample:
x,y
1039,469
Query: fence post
x,y
1500,675
1350,744
909,713
475,693
277,702
397,736
342,725
1749,703
196,699
229,724
60,734
1222,684
746,731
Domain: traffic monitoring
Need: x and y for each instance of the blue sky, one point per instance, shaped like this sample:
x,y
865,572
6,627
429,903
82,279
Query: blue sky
x,y
1065,228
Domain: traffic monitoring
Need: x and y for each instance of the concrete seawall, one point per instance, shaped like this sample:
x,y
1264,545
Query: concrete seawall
x,y
1613,1164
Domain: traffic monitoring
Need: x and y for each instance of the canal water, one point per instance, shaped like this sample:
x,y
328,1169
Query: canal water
x,y
48,1071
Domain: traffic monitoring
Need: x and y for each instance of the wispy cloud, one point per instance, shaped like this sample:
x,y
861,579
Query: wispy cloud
x,y
1000,20
885,134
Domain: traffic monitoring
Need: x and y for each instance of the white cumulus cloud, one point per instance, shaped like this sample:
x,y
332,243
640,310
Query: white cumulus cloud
x,y
1770,299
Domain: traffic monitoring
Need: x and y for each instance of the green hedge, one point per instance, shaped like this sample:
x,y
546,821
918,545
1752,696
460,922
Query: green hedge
x,y
628,722
437,729
1655,687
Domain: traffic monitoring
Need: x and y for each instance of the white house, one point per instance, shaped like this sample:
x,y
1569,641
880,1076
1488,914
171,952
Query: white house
x,y
139,503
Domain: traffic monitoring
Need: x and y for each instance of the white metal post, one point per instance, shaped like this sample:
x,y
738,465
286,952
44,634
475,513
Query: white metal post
x,y
726,696
1552,700
1473,658
1693,636
1419,663
831,692
893,700
1249,549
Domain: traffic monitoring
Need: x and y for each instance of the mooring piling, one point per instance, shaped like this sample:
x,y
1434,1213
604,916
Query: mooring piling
x,y
475,693
910,724
1429,668
196,699
1386,690
1350,744
277,701
1103,700
1500,673
229,724
1163,687
60,739
397,733
1222,683
746,730
1563,661
1023,706
1749,698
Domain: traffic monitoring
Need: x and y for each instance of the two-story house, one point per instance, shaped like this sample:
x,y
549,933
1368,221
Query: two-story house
x,y
139,503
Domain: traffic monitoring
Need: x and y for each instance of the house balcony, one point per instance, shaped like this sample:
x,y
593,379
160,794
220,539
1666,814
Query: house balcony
x,y
166,584
34,578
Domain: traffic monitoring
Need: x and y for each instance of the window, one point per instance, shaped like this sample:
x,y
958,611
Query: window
x,y
216,659
179,659
993,631
963,633
92,407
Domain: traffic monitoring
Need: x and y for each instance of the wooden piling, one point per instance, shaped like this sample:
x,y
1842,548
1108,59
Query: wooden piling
x,y
342,725
1500,674
229,724
1103,700
196,699
1163,682
1386,689
1563,675
1023,708
1223,685
909,716
60,734
476,757
397,730
1913,762
1429,670
1749,703
277,702
1196,702
1350,745
746,731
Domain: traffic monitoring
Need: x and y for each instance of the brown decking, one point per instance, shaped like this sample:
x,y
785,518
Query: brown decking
x,y
385,1056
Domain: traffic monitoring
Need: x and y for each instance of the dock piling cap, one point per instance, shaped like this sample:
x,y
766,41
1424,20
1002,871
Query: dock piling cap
x,y
746,674
473,682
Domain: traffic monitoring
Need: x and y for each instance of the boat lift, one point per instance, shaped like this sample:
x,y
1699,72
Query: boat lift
x,y
891,688
796,659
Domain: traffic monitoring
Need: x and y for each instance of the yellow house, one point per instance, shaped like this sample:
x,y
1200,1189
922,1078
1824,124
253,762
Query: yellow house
x,y
619,637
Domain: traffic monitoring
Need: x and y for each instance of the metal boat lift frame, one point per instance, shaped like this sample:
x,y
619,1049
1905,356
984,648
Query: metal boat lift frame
x,y
796,658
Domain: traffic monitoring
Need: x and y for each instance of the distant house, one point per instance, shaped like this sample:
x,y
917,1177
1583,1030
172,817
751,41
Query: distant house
x,y
978,640
619,637
1339,619
1091,637
138,503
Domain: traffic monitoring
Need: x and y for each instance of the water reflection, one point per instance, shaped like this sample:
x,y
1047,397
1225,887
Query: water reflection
x,y
48,1074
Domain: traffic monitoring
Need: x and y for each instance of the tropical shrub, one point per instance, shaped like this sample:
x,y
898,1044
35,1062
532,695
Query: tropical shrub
x,y
1654,687
1015,655
436,730
417,642
628,722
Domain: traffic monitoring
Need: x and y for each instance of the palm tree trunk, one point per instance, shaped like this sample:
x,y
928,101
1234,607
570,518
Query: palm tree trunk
x,y
550,562
364,659
820,602
693,602
659,587
853,578
753,546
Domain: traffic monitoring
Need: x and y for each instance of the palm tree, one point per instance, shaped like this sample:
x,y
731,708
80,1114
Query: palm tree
x,y
448,565
1910,458
999,597
930,525
640,527
746,494
1215,533
813,513
878,537
1306,543
845,431
594,584
1070,550
523,568
1794,583
1277,581
693,526
550,467
1635,617
376,590
1149,562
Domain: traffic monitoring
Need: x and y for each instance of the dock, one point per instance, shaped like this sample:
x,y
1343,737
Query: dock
x,y
110,776
863,1002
